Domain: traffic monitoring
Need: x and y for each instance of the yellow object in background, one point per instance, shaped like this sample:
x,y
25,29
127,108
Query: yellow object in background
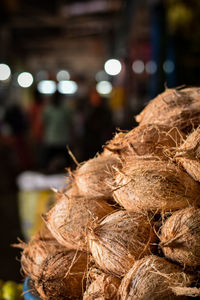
x,y
35,198
117,98
32,204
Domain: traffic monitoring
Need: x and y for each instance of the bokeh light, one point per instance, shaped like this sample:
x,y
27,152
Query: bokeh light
x,y
101,75
151,67
25,79
138,66
113,67
104,87
46,87
67,87
5,72
168,66
63,75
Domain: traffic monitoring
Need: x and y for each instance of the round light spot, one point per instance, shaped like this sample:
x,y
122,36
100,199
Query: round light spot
x,y
168,66
5,72
138,66
151,67
101,75
113,67
104,87
25,79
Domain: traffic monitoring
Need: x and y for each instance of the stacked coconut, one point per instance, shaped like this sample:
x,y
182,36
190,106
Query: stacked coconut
x,y
128,227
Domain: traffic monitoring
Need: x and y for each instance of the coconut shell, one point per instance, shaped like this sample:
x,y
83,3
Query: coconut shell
x,y
70,217
178,107
188,154
180,237
119,240
104,287
147,185
146,140
93,176
153,277
57,272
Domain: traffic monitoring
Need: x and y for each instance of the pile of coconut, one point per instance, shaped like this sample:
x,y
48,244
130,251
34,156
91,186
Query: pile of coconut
x,y
128,227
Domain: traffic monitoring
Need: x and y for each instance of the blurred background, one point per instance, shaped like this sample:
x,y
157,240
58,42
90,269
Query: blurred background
x,y
72,73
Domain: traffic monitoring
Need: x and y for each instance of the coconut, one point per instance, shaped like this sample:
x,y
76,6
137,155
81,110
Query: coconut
x,y
114,146
103,287
119,240
70,217
93,176
56,272
180,237
153,277
146,140
150,185
188,154
178,107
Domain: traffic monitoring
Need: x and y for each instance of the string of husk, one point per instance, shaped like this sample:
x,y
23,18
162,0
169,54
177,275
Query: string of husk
x,y
188,154
154,278
69,219
151,185
56,272
145,140
180,237
119,240
103,287
92,176
178,107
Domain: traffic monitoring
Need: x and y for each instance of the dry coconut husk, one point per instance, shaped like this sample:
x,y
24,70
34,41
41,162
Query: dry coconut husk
x,y
153,277
180,237
119,240
150,185
56,272
70,217
188,154
93,176
146,140
114,146
104,287
178,107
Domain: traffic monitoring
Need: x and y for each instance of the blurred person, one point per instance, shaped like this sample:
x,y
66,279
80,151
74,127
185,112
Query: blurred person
x,y
17,121
99,126
35,112
57,121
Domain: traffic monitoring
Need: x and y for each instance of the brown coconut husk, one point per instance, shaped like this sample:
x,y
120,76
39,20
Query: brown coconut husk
x,y
154,278
119,240
114,146
93,176
178,107
150,185
180,237
103,287
146,140
70,217
188,154
56,272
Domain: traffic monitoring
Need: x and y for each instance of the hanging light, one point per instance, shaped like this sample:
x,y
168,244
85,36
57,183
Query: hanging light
x,y
138,66
63,75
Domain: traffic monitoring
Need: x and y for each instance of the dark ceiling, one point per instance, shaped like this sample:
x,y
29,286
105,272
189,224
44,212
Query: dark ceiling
x,y
57,33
